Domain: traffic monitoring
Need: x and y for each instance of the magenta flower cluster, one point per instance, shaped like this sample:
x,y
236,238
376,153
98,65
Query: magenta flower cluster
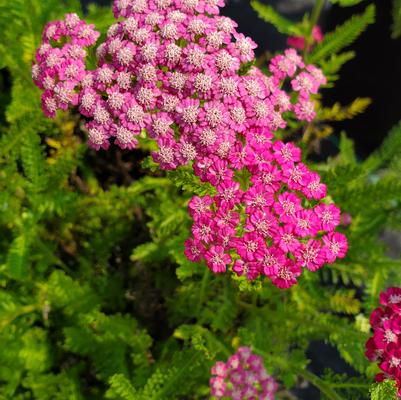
x,y
178,70
242,377
60,71
385,345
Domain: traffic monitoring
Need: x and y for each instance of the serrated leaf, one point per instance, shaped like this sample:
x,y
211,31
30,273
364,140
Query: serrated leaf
x,y
347,151
344,301
268,14
17,258
332,66
346,3
389,149
339,113
343,36
121,388
185,179
383,391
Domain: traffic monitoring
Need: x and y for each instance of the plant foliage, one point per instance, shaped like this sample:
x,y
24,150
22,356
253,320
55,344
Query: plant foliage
x,y
97,300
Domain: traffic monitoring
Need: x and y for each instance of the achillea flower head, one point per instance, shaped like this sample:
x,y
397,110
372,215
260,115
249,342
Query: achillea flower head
x,y
174,68
384,347
242,377
59,71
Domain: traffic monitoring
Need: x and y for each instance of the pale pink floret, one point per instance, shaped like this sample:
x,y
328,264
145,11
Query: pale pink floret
x,y
243,376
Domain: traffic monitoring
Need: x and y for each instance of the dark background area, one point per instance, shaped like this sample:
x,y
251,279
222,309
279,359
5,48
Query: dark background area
x,y
375,72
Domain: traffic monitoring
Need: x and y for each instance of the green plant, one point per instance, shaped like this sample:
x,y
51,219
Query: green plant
x,y
97,299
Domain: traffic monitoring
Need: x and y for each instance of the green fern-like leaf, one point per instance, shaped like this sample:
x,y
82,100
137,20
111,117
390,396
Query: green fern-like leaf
x,y
340,113
339,175
33,161
186,268
350,388
396,28
390,148
351,345
185,179
360,197
344,301
343,36
268,14
347,150
65,293
346,3
173,378
384,391
148,252
121,389
332,65
346,274
17,258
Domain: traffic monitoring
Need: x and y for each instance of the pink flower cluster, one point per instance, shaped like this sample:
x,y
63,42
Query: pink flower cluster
x,y
176,69
60,70
274,225
298,42
242,377
385,345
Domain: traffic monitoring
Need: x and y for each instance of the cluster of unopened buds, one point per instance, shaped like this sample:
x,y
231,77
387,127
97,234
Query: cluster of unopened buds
x,y
385,345
180,72
242,377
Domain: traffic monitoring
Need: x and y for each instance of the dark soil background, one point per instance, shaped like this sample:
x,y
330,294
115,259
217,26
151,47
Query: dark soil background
x,y
375,72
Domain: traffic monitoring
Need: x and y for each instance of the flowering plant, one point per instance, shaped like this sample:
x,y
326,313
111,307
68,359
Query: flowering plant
x,y
384,345
172,154
243,376
172,69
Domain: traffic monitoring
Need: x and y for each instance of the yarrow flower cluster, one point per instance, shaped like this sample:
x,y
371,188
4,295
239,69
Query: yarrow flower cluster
x,y
176,69
60,71
385,345
242,377
268,228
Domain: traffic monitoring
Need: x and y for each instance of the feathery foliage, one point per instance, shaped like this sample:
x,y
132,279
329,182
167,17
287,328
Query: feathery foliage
x,y
98,301
343,35
383,391
268,14
346,3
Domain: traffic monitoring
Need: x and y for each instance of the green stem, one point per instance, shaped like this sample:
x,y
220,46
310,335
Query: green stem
x,y
202,290
317,10
350,385
18,313
320,384
307,133
224,349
